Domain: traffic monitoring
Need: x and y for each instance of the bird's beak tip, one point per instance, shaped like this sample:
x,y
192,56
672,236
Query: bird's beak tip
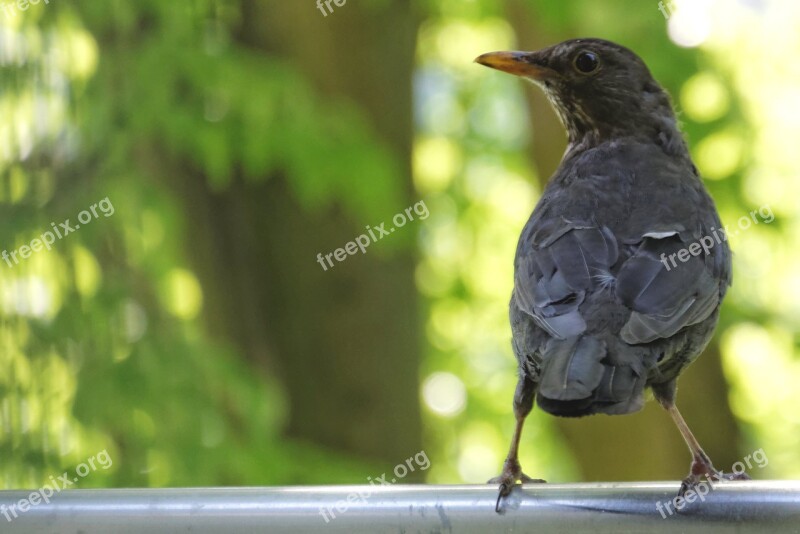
x,y
516,63
488,58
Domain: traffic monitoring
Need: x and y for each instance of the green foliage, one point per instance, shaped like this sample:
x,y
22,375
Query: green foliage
x,y
101,334
230,111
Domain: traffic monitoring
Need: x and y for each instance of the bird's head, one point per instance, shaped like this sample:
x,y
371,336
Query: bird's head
x,y
600,89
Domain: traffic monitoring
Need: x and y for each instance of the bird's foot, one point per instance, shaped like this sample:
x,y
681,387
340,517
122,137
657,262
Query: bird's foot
x,y
512,472
702,467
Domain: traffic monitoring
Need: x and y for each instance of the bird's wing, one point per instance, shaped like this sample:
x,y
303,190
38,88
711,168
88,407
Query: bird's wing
x,y
560,263
557,264
665,293
599,297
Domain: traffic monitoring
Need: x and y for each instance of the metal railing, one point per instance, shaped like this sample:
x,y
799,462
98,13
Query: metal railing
x,y
749,506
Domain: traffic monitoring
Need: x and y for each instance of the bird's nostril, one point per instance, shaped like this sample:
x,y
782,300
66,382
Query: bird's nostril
x,y
538,61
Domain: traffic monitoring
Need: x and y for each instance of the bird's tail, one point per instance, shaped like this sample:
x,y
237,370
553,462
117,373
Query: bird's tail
x,y
583,375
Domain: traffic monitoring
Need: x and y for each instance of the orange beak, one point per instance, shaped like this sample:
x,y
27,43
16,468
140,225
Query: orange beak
x,y
516,63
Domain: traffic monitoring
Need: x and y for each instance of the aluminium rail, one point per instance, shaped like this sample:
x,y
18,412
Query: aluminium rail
x,y
742,506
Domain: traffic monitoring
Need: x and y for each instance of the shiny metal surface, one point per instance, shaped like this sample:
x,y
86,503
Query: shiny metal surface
x,y
751,506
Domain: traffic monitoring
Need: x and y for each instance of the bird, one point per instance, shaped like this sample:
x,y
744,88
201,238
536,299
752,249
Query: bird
x,y
620,271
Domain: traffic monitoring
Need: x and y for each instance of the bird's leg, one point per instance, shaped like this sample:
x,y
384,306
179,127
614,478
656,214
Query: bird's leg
x,y
701,463
512,471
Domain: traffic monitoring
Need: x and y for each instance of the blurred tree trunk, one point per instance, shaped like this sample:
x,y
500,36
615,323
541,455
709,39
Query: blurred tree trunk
x,y
645,445
344,342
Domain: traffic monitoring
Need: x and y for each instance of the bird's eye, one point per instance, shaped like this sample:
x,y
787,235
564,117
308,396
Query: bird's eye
x,y
587,62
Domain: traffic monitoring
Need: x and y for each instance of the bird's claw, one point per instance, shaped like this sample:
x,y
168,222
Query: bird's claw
x,y
694,479
512,472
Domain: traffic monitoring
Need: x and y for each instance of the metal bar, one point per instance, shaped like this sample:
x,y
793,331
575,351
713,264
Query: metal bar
x,y
743,506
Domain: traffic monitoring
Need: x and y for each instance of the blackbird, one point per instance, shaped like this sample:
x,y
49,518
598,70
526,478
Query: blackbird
x,y
601,309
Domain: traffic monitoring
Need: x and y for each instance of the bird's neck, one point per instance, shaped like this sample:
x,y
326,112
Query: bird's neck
x,y
661,129
648,117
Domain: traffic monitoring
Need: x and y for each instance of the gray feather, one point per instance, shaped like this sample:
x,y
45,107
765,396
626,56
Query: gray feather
x,y
572,368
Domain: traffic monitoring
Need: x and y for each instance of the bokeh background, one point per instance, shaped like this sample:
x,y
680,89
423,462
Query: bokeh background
x,y
193,335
